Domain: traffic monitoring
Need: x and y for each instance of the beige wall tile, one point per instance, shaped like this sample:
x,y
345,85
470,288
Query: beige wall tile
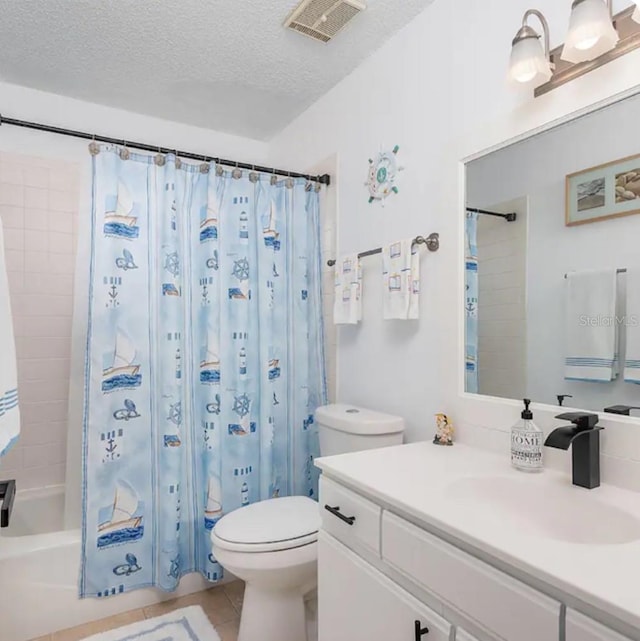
x,y
38,203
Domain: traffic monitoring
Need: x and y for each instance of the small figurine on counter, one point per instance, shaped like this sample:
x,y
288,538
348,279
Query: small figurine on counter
x,y
444,430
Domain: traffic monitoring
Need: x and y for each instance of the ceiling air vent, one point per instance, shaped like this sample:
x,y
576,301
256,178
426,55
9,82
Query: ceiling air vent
x,y
323,19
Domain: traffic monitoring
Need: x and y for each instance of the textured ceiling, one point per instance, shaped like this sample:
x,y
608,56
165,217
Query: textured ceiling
x,y
227,65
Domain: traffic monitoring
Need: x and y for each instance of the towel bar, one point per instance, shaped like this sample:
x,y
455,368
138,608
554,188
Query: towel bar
x,y
432,241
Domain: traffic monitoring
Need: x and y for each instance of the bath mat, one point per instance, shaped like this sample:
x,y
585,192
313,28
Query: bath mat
x,y
186,624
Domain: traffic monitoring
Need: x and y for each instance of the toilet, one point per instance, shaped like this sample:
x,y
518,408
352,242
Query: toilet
x,y
272,545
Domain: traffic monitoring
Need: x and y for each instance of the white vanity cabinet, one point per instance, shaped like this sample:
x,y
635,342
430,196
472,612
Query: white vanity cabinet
x,y
358,603
582,628
412,533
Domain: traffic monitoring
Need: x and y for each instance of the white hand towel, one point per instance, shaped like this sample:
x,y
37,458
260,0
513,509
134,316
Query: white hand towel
x,y
401,280
347,306
9,412
632,357
592,326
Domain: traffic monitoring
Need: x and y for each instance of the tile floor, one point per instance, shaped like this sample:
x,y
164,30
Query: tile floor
x,y
222,605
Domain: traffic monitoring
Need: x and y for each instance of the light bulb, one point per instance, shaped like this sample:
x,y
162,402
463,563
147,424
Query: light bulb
x,y
529,62
591,31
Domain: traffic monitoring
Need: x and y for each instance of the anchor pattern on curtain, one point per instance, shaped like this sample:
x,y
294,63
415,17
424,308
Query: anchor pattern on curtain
x,y
471,303
204,362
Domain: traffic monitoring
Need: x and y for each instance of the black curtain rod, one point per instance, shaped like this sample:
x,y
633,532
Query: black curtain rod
x,y
323,180
508,217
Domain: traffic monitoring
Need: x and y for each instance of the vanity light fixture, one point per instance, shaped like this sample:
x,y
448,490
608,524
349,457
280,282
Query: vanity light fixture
x,y
530,60
591,31
595,38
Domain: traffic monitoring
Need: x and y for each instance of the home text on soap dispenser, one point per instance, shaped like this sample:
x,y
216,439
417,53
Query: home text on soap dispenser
x,y
526,442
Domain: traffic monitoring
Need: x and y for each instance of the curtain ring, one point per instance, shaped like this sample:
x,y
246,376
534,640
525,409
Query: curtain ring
x,y
94,147
289,182
204,167
253,176
125,154
178,161
274,178
237,172
159,158
219,170
318,184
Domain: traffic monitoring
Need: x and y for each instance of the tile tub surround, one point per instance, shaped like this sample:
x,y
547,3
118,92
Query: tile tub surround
x,y
39,209
222,605
421,483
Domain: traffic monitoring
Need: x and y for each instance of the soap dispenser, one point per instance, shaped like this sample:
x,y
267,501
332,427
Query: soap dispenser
x,y
527,440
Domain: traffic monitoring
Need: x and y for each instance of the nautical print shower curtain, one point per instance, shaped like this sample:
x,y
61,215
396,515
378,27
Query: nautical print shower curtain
x,y
204,361
471,303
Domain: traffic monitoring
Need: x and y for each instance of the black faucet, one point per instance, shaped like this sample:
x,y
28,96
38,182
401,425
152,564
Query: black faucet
x,y
625,410
584,435
561,398
7,494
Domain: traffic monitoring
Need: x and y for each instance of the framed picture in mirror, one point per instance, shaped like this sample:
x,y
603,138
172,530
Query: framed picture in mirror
x,y
606,191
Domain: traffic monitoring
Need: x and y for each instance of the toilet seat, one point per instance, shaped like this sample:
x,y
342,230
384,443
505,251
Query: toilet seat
x,y
269,526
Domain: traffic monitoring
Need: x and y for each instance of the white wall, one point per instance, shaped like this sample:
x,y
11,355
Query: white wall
x,y
537,168
437,89
502,315
40,458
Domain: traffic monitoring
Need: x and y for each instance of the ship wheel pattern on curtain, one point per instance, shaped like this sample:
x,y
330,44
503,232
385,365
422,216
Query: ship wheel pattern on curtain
x,y
204,362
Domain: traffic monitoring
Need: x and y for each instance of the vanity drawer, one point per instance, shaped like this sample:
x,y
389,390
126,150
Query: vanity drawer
x,y
352,519
582,628
511,609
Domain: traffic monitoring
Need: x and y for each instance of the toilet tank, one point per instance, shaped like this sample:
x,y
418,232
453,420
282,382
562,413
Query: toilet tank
x,y
347,428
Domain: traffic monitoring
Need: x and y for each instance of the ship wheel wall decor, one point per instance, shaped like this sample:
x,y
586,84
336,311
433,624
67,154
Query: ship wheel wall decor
x,y
383,172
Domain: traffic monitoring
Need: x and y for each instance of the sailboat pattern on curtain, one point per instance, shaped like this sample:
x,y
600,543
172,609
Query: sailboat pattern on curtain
x,y
204,362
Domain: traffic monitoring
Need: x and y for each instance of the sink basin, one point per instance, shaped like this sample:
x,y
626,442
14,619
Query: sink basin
x,y
536,507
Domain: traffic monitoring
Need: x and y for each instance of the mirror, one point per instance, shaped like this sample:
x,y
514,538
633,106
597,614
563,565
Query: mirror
x,y
552,298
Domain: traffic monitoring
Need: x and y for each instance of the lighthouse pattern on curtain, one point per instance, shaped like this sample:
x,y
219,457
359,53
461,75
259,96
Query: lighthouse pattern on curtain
x,y
204,363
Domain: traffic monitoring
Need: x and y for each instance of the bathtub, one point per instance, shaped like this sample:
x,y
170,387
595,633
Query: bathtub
x,y
39,566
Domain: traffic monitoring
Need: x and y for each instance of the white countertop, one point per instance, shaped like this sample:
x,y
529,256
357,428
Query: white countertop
x,y
427,484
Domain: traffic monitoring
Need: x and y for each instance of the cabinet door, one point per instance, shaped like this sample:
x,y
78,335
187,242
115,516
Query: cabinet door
x,y
461,635
582,628
358,603
501,604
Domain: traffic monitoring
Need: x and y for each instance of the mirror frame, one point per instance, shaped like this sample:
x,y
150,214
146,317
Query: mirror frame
x,y
492,412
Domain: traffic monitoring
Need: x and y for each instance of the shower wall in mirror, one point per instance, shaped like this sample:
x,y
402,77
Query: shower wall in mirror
x,y
556,314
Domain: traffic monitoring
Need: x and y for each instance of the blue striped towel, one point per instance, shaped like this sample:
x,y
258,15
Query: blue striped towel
x,y
592,326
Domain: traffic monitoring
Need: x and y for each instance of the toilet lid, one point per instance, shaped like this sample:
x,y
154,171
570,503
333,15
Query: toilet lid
x,y
288,521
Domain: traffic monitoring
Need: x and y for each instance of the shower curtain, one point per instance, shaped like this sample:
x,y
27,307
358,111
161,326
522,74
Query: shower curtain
x,y
204,361
471,303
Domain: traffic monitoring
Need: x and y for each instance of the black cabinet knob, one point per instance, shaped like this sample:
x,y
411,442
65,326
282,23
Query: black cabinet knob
x,y
420,631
